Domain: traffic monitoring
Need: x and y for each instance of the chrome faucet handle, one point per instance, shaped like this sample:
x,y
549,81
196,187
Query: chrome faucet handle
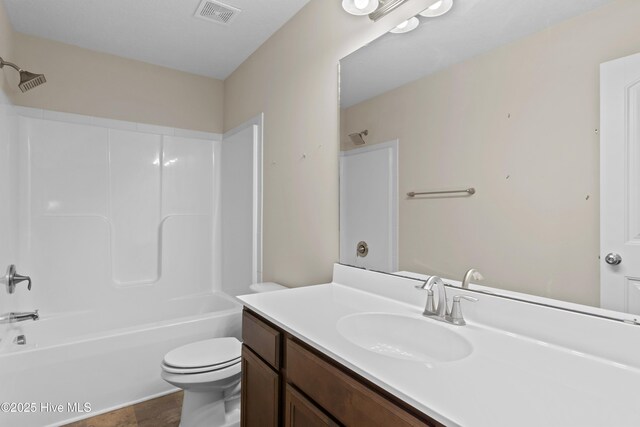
x,y
455,317
17,278
13,278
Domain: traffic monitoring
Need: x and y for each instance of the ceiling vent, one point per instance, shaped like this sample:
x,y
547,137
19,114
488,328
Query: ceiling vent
x,y
216,12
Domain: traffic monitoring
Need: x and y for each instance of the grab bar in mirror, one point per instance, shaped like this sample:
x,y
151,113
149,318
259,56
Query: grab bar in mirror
x,y
469,191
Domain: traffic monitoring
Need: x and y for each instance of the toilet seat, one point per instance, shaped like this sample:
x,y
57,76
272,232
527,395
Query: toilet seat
x,y
198,370
223,377
203,356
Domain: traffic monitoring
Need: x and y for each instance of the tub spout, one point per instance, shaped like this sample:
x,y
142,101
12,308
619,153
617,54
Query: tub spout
x,y
19,317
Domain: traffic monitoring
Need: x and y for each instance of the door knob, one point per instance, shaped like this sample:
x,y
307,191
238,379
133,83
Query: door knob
x,y
613,259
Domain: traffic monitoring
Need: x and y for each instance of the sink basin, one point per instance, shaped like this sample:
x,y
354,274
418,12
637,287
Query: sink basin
x,y
404,337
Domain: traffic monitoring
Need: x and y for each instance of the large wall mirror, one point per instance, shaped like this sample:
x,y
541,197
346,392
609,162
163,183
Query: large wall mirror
x,y
502,97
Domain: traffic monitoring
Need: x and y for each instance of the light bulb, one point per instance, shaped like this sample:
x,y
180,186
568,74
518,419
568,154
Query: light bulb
x,y
361,4
439,8
406,26
360,7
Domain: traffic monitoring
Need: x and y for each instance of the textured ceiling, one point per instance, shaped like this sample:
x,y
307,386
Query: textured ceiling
x,y
161,32
471,28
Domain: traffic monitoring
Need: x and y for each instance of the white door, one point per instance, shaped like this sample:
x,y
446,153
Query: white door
x,y
620,184
369,206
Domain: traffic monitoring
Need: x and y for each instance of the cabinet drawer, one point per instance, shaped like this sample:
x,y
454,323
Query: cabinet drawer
x,y
346,399
261,338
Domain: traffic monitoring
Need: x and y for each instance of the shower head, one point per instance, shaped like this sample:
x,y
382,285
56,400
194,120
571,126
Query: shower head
x,y
27,80
357,138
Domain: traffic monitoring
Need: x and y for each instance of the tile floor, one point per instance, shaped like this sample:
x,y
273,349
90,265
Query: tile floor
x,y
161,412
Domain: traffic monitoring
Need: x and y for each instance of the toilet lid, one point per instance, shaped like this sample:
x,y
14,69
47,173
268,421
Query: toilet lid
x,y
205,353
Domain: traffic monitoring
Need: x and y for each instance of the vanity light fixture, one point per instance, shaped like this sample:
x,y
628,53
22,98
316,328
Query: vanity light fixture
x,y
406,26
437,9
360,7
376,9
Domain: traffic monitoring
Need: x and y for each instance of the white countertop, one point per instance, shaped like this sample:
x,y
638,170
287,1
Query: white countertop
x,y
508,380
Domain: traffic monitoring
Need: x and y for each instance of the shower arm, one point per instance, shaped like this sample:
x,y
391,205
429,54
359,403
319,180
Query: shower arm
x,y
10,64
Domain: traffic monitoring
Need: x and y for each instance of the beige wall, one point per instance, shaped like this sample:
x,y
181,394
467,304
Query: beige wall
x,y
6,50
87,82
293,79
519,124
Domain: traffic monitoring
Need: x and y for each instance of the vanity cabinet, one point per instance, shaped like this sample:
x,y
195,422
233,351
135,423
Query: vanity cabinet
x,y
287,383
260,399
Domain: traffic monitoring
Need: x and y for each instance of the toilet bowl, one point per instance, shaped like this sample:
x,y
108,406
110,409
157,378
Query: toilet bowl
x,y
209,372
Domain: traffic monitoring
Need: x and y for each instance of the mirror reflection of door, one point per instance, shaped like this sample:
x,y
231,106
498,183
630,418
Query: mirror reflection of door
x,y
620,184
369,205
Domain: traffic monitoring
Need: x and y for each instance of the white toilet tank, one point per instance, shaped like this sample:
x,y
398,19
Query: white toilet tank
x,y
257,288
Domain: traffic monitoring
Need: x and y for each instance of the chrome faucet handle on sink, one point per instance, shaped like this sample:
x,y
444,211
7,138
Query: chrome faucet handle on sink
x,y
455,316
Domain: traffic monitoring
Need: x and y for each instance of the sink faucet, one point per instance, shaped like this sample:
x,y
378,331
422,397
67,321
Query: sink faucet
x,y
441,311
470,274
19,317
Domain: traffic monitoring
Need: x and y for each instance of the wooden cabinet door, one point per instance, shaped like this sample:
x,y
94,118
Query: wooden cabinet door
x,y
345,398
299,412
260,392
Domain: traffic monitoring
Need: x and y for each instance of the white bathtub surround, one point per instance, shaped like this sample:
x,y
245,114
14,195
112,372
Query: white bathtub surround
x,y
8,190
119,226
111,216
241,173
529,365
369,205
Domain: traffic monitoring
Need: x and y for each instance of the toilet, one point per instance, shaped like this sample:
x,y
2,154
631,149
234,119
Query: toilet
x,y
209,372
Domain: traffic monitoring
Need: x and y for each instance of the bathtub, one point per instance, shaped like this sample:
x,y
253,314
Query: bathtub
x,y
78,365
